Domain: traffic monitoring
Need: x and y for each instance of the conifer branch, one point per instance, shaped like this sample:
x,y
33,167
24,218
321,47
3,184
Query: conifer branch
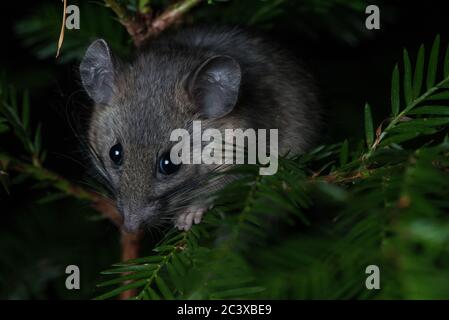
x,y
145,25
103,205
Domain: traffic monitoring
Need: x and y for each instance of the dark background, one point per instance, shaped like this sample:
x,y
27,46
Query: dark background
x,y
38,240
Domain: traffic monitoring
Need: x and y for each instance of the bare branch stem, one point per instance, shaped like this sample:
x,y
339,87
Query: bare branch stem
x,y
145,26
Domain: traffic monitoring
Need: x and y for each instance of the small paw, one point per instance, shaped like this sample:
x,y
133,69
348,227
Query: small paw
x,y
191,215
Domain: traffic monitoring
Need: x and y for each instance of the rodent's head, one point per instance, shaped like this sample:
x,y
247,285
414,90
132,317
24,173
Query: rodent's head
x,y
137,106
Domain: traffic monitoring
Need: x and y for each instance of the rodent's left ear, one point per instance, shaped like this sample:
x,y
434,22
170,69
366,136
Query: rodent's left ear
x,y
215,85
97,72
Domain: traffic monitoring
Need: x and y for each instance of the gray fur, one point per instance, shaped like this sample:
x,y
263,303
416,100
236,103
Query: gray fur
x,y
151,96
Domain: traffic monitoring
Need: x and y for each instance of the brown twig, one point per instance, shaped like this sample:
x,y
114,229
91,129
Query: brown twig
x,y
144,26
130,250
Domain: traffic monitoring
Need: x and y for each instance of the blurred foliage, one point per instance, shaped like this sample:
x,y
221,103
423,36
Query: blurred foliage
x,y
40,31
337,18
18,118
34,259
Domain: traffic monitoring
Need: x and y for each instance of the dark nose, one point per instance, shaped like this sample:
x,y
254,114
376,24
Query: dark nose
x,y
131,222
135,217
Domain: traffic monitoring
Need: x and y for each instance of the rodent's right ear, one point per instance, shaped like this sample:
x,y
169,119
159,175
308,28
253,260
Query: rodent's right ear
x,y
97,72
215,85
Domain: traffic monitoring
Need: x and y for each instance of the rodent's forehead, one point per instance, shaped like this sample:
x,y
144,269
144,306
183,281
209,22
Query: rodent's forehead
x,y
157,93
156,73
150,101
145,124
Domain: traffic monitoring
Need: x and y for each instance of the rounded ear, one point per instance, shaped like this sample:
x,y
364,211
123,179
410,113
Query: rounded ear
x,y
97,72
214,86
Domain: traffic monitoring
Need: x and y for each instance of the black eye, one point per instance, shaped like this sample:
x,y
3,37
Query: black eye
x,y
166,166
116,154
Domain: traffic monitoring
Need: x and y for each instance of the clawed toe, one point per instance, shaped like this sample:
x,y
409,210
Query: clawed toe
x,y
186,219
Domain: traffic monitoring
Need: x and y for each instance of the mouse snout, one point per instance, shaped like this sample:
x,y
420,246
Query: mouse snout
x,y
135,218
131,223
